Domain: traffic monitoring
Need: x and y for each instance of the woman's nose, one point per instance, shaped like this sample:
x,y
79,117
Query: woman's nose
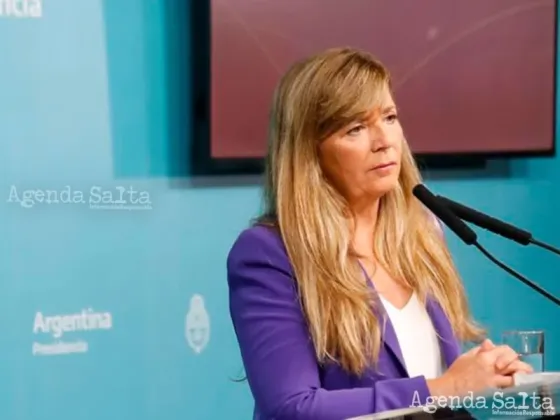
x,y
379,139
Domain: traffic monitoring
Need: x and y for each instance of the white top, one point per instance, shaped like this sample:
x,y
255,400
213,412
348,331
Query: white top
x,y
417,338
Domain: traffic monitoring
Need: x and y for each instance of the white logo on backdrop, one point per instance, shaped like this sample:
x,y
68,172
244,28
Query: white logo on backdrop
x,y
96,197
62,329
21,8
197,324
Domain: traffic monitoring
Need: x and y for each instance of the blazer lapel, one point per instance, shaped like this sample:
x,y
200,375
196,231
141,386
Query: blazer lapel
x,y
449,345
388,334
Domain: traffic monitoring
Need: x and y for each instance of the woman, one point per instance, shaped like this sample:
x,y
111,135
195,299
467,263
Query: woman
x,y
343,296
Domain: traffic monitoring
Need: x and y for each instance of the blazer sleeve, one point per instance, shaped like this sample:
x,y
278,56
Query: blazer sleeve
x,y
276,348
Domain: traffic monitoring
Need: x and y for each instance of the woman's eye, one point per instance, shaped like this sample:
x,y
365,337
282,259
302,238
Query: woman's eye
x,y
355,130
391,118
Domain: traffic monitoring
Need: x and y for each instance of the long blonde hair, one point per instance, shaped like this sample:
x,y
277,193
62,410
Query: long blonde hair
x,y
315,98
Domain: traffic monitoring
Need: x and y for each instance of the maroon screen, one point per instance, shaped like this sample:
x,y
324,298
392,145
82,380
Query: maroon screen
x,y
470,75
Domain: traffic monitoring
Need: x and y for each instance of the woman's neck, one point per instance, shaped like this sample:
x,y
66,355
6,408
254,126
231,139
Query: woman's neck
x,y
363,227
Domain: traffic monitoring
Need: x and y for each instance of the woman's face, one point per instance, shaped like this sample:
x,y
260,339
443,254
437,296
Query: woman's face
x,y
363,160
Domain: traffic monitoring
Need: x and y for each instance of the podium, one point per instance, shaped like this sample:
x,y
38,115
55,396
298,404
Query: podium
x,y
536,397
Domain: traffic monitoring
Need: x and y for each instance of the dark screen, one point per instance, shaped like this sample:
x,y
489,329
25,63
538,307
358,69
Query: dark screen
x,y
469,75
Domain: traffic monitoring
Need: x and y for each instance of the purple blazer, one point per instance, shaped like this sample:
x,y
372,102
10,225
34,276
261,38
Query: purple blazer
x,y
283,374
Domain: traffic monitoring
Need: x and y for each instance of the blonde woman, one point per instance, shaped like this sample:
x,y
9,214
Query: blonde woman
x,y
343,295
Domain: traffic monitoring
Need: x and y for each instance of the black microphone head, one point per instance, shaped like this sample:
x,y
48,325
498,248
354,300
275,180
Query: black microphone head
x,y
466,234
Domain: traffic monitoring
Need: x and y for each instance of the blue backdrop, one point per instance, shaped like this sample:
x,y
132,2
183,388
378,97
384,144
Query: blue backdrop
x,y
113,296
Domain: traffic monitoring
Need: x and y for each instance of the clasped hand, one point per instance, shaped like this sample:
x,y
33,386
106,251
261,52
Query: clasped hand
x,y
483,367
506,360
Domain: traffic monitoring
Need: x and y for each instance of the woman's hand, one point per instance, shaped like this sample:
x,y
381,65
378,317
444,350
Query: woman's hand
x,y
508,362
483,367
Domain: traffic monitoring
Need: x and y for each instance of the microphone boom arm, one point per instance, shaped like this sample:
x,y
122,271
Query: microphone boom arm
x,y
545,246
452,215
517,275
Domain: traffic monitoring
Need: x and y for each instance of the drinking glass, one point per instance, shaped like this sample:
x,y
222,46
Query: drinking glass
x,y
529,345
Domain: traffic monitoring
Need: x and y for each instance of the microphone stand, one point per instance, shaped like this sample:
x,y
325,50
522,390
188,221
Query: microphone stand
x,y
441,207
517,275
545,246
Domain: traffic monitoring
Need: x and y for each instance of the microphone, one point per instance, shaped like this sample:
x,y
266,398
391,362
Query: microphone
x,y
494,225
468,236
465,233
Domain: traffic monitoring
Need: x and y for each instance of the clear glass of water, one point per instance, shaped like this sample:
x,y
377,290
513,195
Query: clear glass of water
x,y
529,345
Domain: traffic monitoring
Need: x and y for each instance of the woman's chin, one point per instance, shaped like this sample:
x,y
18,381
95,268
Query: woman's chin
x,y
383,186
